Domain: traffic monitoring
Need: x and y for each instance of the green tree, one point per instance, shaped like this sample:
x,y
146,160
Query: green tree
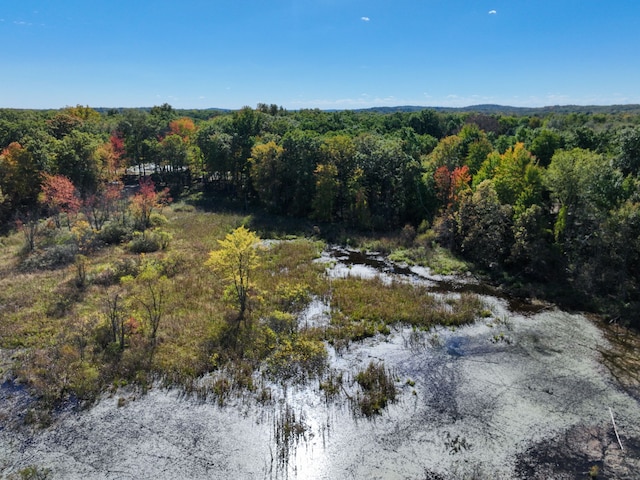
x,y
174,159
484,229
267,174
585,185
544,145
427,122
326,192
474,146
516,177
215,140
76,159
301,155
140,132
235,260
588,190
532,252
340,151
150,288
449,152
620,266
246,126
628,147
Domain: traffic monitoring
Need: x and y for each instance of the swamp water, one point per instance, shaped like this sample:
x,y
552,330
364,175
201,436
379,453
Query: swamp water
x,y
521,394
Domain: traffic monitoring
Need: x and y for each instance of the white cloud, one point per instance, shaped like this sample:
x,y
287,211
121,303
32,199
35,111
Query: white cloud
x,y
492,12
365,19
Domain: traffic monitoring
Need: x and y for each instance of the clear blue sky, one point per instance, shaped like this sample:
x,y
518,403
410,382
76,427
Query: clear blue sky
x,y
318,53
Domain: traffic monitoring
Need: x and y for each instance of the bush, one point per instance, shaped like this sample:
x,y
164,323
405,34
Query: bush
x,y
114,233
173,263
33,472
50,258
157,220
292,298
298,358
149,241
184,207
121,268
282,322
408,235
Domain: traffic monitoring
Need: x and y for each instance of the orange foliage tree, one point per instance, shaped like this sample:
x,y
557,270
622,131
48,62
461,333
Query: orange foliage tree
x,y
451,184
59,196
146,201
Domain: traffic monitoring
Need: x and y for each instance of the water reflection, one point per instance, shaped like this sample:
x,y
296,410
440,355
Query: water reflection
x,y
488,400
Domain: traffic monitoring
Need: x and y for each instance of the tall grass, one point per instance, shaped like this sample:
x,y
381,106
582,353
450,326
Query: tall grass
x,y
365,307
66,342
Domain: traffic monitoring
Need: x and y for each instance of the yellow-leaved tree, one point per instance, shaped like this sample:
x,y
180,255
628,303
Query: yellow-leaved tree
x,y
235,260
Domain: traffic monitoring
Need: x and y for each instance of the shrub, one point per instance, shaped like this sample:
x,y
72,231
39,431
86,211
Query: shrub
x,y
157,220
292,297
149,241
113,233
331,385
121,268
300,357
408,235
282,322
174,262
84,236
50,258
184,207
33,472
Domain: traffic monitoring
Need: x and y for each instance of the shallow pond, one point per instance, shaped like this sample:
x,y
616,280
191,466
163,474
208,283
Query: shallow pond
x,y
521,394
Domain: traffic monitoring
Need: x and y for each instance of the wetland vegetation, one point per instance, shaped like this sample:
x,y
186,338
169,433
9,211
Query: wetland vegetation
x,y
146,249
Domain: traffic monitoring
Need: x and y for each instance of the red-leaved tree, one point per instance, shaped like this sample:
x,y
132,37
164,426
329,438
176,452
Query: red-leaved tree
x,y
450,184
146,201
442,178
59,196
460,181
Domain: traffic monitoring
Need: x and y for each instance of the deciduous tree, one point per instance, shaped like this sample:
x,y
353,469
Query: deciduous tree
x,y
19,178
146,201
59,195
235,260
267,174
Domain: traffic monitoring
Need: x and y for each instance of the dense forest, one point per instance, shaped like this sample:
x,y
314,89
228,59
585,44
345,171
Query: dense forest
x,y
545,202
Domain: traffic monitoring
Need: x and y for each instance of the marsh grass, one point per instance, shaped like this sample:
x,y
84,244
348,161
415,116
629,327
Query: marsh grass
x,y
66,341
365,307
377,389
420,249
289,428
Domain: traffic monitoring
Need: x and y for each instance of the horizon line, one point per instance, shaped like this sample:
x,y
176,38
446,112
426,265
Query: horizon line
x,y
423,107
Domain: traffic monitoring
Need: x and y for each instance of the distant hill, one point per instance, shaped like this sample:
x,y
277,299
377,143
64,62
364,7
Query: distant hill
x,y
504,109
487,109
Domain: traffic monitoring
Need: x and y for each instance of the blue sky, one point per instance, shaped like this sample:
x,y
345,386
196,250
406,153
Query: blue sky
x,y
318,53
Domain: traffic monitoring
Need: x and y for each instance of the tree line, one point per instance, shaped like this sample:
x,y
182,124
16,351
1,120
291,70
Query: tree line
x,y
540,199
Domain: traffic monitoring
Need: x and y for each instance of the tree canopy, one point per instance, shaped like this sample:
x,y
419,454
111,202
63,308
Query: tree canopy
x,y
558,189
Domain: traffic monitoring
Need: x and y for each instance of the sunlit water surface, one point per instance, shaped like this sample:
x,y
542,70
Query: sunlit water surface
x,y
480,401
